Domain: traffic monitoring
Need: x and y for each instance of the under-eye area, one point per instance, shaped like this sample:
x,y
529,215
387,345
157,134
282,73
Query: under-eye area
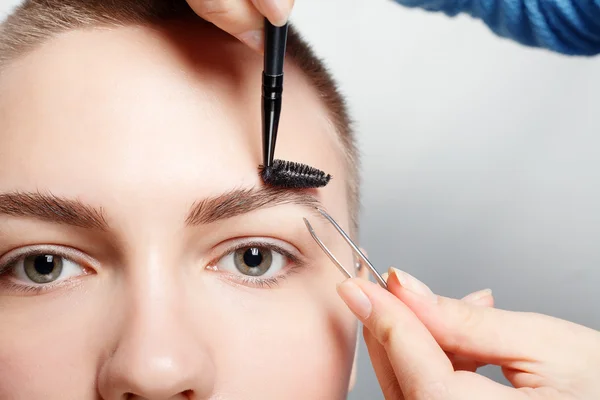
x,y
257,262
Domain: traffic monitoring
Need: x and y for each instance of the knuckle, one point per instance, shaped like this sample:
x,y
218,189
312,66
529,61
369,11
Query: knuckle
x,y
468,320
386,330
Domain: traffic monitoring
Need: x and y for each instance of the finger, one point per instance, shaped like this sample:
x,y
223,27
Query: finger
x,y
467,385
381,364
482,333
482,298
418,361
382,367
239,18
277,11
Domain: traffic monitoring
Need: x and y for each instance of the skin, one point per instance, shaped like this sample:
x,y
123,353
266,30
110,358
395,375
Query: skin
x,y
144,122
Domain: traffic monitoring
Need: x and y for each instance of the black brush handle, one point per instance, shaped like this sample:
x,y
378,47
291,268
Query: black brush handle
x,y
272,87
275,44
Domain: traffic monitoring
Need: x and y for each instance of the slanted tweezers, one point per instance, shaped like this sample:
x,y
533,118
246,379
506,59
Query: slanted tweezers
x,y
354,247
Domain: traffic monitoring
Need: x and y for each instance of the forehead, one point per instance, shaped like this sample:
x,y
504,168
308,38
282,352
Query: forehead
x,y
145,107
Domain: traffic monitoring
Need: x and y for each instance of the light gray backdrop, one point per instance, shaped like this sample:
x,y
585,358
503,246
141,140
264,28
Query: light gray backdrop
x,y
480,157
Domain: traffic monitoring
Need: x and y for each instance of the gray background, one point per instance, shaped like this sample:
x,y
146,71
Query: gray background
x,y
480,157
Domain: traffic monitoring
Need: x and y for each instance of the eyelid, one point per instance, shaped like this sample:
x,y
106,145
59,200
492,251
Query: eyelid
x,y
8,260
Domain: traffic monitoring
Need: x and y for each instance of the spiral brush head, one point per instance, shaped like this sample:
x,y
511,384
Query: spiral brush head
x,y
292,175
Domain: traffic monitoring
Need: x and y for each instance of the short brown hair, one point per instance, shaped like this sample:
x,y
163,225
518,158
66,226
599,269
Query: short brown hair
x,y
36,21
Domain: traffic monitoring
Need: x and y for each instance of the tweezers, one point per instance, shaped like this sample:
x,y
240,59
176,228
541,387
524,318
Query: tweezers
x,y
354,247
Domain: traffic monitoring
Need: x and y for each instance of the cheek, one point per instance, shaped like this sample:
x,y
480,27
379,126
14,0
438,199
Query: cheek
x,y
291,340
45,349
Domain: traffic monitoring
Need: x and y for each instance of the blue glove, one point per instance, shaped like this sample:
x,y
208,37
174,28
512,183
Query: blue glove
x,y
566,26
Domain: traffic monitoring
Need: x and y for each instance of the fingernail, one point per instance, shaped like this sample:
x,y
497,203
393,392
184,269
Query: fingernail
x,y
385,276
412,284
278,12
474,297
253,39
355,299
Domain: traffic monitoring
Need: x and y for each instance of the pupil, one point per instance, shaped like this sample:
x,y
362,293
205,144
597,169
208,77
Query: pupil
x,y
253,257
44,265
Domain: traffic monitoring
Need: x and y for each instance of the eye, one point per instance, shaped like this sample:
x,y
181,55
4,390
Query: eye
x,y
253,261
39,270
44,268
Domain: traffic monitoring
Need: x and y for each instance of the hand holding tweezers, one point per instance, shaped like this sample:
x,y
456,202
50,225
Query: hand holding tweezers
x,y
354,247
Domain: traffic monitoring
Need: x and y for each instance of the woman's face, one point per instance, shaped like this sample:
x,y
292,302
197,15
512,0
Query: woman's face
x,y
140,253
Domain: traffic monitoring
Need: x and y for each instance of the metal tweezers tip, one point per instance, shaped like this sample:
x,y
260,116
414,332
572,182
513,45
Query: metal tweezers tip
x,y
308,225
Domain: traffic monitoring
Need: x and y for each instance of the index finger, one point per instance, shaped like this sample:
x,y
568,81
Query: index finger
x,y
418,361
491,335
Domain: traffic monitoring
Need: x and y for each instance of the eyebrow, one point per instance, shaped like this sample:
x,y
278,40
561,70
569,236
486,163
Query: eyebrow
x,y
59,210
51,208
243,201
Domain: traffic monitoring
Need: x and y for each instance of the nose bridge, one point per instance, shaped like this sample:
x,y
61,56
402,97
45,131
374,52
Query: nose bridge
x,y
158,354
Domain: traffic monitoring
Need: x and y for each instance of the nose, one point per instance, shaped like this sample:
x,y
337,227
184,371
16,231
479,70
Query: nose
x,y
158,356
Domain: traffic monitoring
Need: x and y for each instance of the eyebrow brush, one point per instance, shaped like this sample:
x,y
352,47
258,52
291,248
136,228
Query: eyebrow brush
x,y
272,87
277,172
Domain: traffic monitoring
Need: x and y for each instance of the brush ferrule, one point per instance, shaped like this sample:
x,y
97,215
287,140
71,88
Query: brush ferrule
x,y
272,86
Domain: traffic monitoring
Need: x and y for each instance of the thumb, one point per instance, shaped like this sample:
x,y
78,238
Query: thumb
x,y
276,11
244,19
239,18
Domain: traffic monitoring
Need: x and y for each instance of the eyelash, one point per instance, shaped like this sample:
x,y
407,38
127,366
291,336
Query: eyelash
x,y
263,283
9,264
